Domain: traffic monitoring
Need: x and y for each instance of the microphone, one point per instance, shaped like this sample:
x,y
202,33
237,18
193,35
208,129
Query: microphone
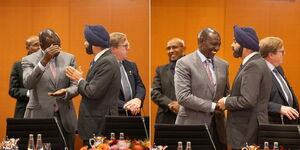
x,y
210,138
144,124
60,131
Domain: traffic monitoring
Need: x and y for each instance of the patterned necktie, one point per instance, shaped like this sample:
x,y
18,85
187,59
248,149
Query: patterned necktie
x,y
285,88
125,83
209,73
53,68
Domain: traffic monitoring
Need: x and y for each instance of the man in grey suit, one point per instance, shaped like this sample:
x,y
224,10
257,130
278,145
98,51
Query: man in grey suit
x,y
283,104
247,104
201,78
163,90
51,91
100,89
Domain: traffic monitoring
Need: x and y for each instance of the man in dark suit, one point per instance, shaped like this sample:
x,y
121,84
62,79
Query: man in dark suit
x,y
101,87
247,104
163,90
283,104
51,92
132,92
16,87
201,79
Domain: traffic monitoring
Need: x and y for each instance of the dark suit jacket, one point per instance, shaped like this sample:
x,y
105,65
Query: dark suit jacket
x,y
248,102
163,93
136,83
99,94
277,99
17,89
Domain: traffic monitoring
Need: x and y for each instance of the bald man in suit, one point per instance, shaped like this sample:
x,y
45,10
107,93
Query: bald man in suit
x,y
16,87
201,79
163,90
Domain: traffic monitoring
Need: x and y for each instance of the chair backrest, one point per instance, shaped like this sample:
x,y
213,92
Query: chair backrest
x,y
21,128
170,134
133,127
286,135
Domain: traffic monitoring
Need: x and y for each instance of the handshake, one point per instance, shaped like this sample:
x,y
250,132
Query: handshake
x,y
221,104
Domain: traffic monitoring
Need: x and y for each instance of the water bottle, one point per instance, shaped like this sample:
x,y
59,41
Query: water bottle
x,y
30,142
188,145
179,145
39,143
266,146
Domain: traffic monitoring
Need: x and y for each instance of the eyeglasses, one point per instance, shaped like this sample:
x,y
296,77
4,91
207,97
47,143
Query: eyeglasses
x,y
281,51
172,47
125,45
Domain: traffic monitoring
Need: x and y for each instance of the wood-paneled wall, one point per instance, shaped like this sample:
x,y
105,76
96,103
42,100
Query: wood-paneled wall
x,y
185,18
20,19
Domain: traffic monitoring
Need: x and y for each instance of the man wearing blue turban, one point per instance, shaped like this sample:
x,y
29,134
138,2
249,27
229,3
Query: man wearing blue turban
x,y
101,87
247,104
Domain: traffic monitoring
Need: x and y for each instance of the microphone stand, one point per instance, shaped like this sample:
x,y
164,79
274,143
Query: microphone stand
x,y
60,131
144,124
210,137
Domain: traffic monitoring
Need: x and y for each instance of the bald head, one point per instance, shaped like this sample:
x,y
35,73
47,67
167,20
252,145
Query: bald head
x,y
48,37
209,42
32,44
176,48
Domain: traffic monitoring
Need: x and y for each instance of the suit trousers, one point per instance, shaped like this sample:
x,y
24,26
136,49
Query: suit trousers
x,y
69,137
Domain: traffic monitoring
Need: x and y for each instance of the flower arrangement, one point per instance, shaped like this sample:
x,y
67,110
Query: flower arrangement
x,y
120,145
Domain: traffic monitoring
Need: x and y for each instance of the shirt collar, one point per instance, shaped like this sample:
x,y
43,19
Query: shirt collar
x,y
248,57
100,54
270,66
201,56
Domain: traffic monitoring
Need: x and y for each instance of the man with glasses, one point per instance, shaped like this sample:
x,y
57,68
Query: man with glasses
x,y
132,92
163,90
283,104
201,79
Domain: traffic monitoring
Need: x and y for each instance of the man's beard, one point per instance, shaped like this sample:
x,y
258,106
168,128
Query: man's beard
x,y
238,52
89,49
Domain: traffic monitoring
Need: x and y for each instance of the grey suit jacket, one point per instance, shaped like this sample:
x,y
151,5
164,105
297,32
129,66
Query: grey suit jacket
x,y
163,93
99,93
248,102
195,95
40,83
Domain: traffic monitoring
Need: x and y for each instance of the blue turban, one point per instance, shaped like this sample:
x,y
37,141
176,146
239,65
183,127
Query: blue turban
x,y
246,37
97,35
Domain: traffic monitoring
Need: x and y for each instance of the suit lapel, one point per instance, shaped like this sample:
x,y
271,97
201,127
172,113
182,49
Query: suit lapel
x,y
130,74
202,71
278,87
169,74
48,72
95,64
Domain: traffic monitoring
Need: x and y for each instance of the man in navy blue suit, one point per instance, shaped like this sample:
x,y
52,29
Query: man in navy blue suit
x,y
132,92
283,104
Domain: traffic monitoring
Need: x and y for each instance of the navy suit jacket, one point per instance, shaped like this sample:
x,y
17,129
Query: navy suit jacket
x,y
136,83
277,99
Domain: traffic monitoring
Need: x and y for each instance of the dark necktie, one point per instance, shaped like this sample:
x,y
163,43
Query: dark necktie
x,y
284,87
125,83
